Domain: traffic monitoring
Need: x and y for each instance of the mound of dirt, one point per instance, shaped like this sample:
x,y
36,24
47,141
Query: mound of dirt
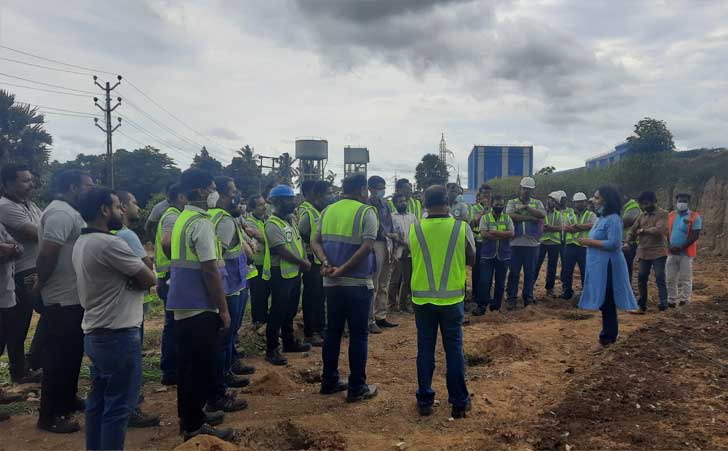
x,y
500,347
287,435
310,375
272,384
207,443
576,316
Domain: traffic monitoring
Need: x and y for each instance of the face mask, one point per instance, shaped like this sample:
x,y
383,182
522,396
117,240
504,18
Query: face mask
x,y
379,193
212,199
459,198
497,210
682,206
402,210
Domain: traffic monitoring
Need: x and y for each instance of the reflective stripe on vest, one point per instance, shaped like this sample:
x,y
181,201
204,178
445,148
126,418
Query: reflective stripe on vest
x,y
341,235
427,255
236,262
294,245
528,228
629,206
551,218
572,237
474,210
692,250
496,248
161,261
314,219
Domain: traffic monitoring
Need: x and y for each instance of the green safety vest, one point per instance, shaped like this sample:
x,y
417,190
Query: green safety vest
x,y
259,256
314,218
475,209
216,215
571,238
438,261
293,244
184,256
629,206
552,218
414,207
161,261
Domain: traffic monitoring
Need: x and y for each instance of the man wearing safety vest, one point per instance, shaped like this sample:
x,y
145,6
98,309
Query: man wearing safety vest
x,y
318,196
683,230
284,260
232,244
441,247
259,287
197,298
496,230
576,225
630,212
550,242
480,208
414,206
344,243
527,215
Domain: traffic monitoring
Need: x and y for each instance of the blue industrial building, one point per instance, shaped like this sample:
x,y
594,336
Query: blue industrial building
x,y
491,162
609,158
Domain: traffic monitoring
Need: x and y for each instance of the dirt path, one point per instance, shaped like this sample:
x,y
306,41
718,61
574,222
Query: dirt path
x,y
531,376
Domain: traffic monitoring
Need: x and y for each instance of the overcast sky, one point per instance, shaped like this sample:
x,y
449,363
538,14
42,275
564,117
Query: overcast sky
x,y
569,77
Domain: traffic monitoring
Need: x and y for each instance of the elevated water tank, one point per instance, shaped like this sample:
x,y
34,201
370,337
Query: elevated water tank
x,y
312,149
356,155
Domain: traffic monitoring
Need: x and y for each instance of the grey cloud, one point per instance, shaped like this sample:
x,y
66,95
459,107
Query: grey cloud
x,y
224,133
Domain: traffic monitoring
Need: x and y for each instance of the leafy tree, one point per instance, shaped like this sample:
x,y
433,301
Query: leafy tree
x,y
23,138
650,136
207,162
431,171
546,170
285,170
245,171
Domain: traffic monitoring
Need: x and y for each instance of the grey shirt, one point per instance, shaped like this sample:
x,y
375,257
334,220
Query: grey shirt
x,y
369,232
157,211
104,264
61,224
461,211
14,216
277,237
7,267
524,240
227,232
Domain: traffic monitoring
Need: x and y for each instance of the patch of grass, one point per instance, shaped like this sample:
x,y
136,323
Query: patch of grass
x,y
18,408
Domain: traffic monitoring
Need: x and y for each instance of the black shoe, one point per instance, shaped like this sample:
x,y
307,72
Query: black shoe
x,y
79,405
566,296
4,416
339,387
374,329
369,392
214,418
275,358
479,311
227,404
529,301
234,381
59,425
169,379
681,303
460,412
671,304
296,347
424,410
7,398
511,305
225,434
139,419
662,307
385,323
242,369
551,293
30,377
240,353
315,340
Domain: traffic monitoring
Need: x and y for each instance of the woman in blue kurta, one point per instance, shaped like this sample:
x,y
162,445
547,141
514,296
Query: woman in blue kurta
x,y
606,285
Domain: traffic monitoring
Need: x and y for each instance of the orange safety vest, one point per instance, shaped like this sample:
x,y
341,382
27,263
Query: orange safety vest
x,y
691,250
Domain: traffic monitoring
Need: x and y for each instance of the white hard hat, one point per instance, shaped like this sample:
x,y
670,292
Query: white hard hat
x,y
562,193
528,182
555,195
579,196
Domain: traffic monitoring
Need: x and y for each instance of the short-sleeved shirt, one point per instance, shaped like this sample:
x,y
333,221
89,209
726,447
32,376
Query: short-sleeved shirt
x,y
524,240
304,228
61,224
259,244
133,241
157,211
104,264
385,217
276,237
679,235
651,246
168,223
14,216
461,211
402,223
7,268
370,229
227,232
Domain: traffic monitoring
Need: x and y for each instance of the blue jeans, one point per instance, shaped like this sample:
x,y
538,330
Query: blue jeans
x,y
168,360
116,377
658,265
522,257
347,305
224,355
237,325
449,319
488,268
573,255
610,326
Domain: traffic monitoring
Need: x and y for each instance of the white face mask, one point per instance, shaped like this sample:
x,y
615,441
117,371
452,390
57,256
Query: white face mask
x,y
682,206
212,199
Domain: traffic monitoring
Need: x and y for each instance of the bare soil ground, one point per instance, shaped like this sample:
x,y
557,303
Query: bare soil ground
x,y
534,383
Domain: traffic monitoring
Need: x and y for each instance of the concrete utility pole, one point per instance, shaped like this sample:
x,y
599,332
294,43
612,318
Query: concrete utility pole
x,y
108,130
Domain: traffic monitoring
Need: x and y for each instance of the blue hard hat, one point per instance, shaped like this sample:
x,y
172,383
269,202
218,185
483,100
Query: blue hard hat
x,y
281,191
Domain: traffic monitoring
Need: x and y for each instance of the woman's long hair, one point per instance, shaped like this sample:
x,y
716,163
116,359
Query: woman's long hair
x,y
611,200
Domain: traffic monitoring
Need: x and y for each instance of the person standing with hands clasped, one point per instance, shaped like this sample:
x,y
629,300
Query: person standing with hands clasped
x,y
683,230
606,285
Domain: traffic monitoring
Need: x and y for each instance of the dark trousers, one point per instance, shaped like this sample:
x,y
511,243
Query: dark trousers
x,y
116,378
490,268
475,274
62,355
610,325
552,251
168,360
522,257
260,291
14,324
283,307
562,255
629,255
449,320
574,255
347,305
400,289
197,340
658,265
313,302
224,354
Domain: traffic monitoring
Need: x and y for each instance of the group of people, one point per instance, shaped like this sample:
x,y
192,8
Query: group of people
x,y
347,259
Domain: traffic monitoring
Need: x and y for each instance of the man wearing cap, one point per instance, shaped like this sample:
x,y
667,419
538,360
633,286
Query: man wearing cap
x,y
550,242
284,260
527,215
576,226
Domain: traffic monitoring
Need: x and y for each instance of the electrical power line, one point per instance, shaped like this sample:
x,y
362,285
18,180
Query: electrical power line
x,y
41,89
46,84
46,67
65,114
55,61
153,136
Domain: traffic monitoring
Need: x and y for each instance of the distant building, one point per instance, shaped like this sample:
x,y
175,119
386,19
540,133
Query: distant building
x,y
609,158
492,162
